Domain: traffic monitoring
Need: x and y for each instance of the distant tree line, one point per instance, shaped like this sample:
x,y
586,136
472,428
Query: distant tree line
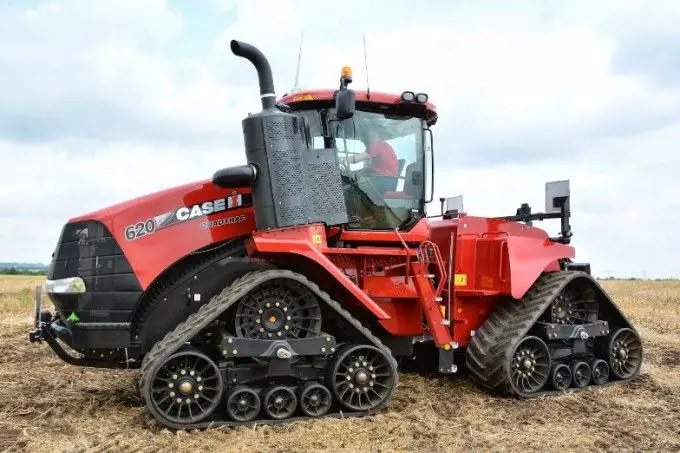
x,y
635,279
18,271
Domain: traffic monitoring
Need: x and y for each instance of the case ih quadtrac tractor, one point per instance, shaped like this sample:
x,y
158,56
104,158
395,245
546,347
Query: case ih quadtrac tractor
x,y
291,286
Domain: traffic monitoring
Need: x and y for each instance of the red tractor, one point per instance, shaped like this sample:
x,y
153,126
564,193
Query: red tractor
x,y
291,286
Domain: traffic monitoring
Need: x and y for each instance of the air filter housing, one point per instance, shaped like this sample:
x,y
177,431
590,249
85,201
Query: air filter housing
x,y
294,185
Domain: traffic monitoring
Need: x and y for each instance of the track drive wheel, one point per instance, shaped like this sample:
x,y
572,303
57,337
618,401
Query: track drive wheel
x,y
575,305
560,377
529,366
361,377
280,402
315,399
187,388
278,309
624,353
243,404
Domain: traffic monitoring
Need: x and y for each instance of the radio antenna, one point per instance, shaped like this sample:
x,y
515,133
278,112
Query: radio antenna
x,y
296,86
368,88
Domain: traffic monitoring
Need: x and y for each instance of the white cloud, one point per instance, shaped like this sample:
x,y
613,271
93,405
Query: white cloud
x,y
53,182
526,93
81,69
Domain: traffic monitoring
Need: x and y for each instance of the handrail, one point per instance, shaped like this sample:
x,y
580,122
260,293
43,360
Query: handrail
x,y
408,256
425,246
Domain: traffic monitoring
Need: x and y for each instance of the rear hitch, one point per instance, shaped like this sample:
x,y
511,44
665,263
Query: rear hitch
x,y
41,319
36,336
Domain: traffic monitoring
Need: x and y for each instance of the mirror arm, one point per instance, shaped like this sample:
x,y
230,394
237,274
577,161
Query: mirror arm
x,y
565,227
328,140
524,214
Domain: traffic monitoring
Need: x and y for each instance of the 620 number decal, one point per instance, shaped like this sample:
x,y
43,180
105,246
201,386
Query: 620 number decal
x,y
139,229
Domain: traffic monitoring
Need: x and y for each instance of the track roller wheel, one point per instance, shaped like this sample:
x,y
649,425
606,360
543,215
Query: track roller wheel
x,y
529,366
279,402
580,373
560,377
243,404
315,399
600,371
624,353
187,388
361,377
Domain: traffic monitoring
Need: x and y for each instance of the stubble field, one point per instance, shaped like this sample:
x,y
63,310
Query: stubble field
x,y
47,405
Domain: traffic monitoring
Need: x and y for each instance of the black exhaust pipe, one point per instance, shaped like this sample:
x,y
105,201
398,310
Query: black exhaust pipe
x,y
264,71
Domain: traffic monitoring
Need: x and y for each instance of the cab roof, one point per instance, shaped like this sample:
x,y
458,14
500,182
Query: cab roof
x,y
301,98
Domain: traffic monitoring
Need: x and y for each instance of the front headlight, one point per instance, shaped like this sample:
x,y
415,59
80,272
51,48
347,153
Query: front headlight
x,y
71,285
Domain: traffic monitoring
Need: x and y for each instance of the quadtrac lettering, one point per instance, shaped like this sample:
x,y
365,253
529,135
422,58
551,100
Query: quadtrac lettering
x,y
186,213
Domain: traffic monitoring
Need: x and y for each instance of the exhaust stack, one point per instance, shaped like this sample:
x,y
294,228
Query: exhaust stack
x,y
264,71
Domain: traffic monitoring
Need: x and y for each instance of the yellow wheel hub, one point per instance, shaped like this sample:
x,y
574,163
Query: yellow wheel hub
x,y
185,388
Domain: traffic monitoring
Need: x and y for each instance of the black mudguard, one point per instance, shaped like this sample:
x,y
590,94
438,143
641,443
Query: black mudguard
x,y
176,295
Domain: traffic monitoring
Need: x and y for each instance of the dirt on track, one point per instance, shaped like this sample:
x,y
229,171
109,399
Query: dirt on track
x,y
46,405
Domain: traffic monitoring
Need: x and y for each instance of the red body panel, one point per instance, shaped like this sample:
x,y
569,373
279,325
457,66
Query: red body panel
x,y
312,98
492,258
419,233
399,285
309,241
361,96
149,255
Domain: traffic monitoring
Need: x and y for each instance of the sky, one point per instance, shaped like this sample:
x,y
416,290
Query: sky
x,y
104,101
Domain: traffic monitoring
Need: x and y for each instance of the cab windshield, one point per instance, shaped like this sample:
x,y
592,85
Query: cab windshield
x,y
381,162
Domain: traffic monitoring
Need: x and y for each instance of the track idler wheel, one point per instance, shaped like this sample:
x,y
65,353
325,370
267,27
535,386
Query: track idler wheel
x,y
187,388
243,404
560,377
279,402
600,371
315,399
580,373
529,366
624,353
361,377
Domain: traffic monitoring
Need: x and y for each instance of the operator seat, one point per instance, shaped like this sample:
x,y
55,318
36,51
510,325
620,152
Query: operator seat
x,y
412,179
388,183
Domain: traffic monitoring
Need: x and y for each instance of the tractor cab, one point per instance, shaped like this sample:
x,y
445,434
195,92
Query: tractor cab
x,y
384,150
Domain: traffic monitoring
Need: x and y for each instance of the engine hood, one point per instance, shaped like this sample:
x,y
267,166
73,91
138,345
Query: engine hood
x,y
156,230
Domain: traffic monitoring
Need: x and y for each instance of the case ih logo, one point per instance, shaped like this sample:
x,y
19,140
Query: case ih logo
x,y
179,215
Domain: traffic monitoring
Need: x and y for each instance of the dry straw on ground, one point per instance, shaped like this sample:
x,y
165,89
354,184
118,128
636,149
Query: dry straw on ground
x,y
46,405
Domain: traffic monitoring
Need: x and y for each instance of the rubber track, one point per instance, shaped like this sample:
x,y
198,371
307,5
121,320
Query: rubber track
x,y
209,312
489,351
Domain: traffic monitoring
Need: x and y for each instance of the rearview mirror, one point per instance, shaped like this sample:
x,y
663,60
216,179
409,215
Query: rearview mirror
x,y
556,196
454,204
344,104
